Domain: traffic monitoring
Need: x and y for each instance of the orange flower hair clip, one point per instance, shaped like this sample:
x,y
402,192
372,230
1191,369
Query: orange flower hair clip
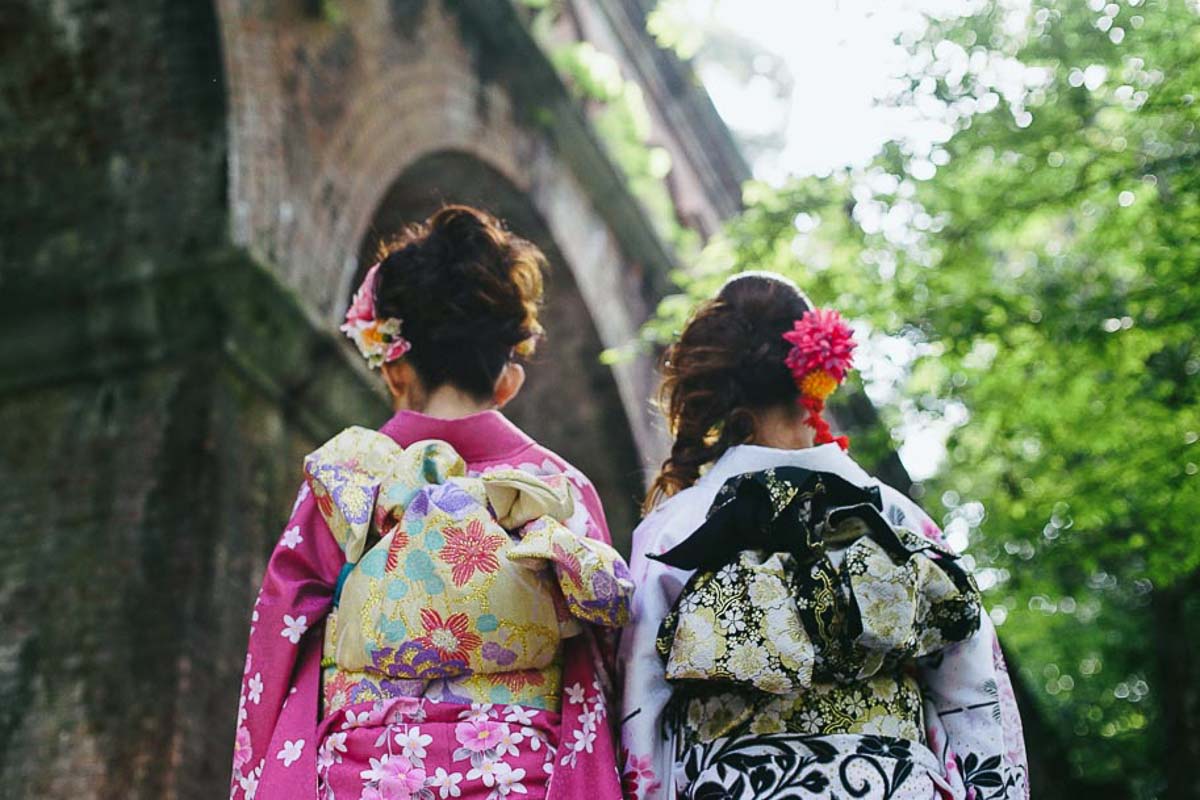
x,y
379,340
821,355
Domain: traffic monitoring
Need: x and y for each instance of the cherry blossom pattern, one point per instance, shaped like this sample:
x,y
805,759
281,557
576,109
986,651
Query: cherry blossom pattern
x,y
451,638
291,537
294,627
290,752
591,715
639,779
471,549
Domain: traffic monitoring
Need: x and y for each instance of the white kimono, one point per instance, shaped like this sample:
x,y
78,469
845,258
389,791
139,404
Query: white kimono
x,y
973,746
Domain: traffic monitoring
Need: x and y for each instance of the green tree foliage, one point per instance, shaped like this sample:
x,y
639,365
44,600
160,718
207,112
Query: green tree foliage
x,y
1039,264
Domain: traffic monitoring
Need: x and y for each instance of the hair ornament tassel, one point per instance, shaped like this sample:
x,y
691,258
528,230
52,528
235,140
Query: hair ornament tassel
x,y
379,340
821,355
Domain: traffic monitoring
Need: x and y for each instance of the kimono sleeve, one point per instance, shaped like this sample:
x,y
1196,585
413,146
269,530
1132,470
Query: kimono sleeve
x,y
275,746
972,721
591,523
647,760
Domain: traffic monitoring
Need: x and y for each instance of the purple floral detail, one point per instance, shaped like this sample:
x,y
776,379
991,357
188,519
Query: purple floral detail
x,y
611,612
349,492
450,498
501,655
604,586
419,505
414,661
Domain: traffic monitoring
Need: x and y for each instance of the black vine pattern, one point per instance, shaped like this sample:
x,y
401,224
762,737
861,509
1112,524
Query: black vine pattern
x,y
790,766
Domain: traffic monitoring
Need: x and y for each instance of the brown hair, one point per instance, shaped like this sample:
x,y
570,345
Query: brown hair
x,y
468,292
727,363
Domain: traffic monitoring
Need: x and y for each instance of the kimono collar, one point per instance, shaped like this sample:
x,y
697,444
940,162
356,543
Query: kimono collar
x,y
752,458
485,436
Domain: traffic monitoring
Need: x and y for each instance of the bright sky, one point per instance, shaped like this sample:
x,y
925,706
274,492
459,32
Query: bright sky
x,y
843,57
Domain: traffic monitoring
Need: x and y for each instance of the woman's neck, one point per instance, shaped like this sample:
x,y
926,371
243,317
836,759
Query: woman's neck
x,y
783,428
447,402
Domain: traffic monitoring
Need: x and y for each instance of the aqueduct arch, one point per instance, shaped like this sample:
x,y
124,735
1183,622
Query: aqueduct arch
x,y
324,117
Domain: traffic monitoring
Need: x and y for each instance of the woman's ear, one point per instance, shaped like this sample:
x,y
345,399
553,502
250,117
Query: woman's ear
x,y
402,383
511,379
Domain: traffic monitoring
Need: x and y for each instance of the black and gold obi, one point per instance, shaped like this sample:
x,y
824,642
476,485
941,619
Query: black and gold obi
x,y
807,612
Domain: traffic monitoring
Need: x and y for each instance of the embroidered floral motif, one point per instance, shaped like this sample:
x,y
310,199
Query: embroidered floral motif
x,y
470,550
450,638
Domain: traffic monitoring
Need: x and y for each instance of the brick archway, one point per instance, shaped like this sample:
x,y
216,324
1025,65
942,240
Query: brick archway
x,y
325,117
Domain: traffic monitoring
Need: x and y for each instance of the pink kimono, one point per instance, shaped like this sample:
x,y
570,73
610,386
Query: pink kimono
x,y
421,747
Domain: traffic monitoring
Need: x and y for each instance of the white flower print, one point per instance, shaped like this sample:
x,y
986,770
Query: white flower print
x,y
290,752
810,721
377,771
413,742
254,688
356,720
509,779
583,740
486,772
733,621
446,783
507,745
331,750
727,574
291,537
575,694
249,784
519,715
588,721
534,737
855,705
294,628
478,712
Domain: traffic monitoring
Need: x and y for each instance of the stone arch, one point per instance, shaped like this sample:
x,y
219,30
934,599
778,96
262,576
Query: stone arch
x,y
309,170
571,402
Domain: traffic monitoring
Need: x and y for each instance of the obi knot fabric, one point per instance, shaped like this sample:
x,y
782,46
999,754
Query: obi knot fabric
x,y
450,576
829,592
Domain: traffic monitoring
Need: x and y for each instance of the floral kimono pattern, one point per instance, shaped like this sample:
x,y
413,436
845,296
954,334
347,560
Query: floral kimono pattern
x,y
404,738
812,636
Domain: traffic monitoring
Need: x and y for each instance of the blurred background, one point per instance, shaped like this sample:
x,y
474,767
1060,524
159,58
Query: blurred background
x,y
1004,196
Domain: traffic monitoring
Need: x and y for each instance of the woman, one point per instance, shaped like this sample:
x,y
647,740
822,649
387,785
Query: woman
x,y
425,626
800,629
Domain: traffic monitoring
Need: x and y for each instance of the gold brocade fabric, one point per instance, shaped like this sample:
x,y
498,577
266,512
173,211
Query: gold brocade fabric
x,y
816,629
883,705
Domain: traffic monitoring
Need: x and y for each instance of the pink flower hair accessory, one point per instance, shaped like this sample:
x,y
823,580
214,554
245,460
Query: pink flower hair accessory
x,y
821,355
379,340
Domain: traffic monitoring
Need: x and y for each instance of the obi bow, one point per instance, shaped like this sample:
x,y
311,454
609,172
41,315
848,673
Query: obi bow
x,y
800,579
